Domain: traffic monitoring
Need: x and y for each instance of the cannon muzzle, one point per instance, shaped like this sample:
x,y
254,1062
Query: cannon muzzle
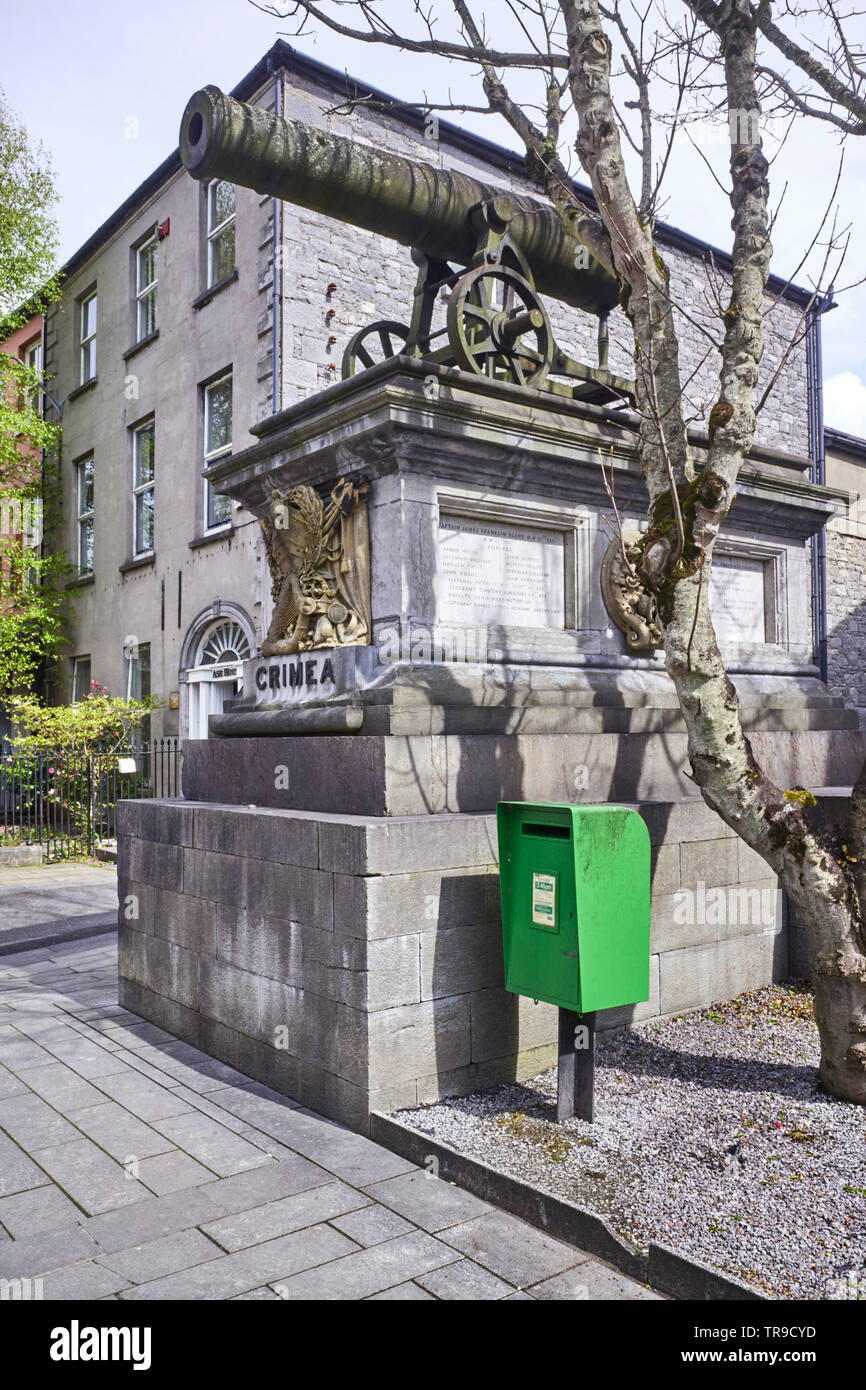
x,y
407,200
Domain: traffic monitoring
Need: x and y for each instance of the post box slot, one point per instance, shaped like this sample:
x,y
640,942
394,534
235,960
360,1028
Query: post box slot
x,y
550,832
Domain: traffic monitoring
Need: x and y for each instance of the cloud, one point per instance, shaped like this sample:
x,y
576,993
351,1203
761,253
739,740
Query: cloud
x,y
845,403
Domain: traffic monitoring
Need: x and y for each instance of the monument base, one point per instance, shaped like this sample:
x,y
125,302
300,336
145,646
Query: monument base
x,y
419,776
355,963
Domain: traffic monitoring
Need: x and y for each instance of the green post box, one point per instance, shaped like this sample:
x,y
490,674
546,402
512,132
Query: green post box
x,y
575,886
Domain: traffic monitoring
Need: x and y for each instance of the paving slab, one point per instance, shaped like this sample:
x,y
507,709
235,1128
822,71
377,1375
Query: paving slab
x,y
178,1211
41,1209
592,1281
90,1177
134,1167
118,1132
172,1172
167,1255
428,1201
371,1225
465,1282
369,1271
287,1214
18,1173
143,1097
10,1085
401,1293
508,1247
82,1282
347,1155
212,1144
37,1255
267,1184
275,1261
61,1087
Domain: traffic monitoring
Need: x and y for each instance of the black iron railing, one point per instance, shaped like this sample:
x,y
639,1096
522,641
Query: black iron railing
x,y
65,799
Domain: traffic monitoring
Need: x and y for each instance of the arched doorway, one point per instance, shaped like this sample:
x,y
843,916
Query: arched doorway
x,y
216,646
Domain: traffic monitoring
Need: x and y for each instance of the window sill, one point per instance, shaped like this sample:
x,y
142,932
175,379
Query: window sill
x,y
80,390
208,294
142,343
140,562
80,581
225,533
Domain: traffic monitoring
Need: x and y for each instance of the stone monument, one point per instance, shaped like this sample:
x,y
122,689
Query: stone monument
x,y
451,626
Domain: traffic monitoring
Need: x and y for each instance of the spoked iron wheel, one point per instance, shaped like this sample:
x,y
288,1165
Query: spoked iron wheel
x,y
375,343
497,327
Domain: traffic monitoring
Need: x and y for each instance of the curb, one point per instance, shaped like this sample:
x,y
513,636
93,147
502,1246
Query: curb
x,y
662,1269
19,939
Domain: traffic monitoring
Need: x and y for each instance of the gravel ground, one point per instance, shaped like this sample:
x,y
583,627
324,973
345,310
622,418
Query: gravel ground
x,y
710,1136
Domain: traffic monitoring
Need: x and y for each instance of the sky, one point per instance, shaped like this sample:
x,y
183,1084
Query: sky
x,y
103,86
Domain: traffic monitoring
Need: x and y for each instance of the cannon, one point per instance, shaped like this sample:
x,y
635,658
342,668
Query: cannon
x,y
485,252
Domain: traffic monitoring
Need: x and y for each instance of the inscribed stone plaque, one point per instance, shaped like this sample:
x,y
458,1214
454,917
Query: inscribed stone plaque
x,y
737,599
495,572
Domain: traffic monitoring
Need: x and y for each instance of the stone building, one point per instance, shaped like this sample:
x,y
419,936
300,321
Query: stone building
x,y
846,572
196,311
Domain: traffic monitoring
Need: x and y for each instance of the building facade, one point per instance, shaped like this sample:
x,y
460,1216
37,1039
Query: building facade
x,y
196,311
845,456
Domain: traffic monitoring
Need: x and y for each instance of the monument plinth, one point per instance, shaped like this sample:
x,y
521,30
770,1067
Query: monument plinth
x,y
482,640
321,911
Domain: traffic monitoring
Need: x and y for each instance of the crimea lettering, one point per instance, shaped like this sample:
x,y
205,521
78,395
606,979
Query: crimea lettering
x,y
295,675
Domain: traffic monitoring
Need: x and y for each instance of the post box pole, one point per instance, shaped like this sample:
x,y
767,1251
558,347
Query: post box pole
x,y
576,1076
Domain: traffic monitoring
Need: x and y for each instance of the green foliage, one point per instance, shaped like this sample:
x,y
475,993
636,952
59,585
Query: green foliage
x,y
24,435
34,624
97,723
28,232
34,611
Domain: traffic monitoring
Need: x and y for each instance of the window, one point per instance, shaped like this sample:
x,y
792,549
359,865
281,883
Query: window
x,y
138,683
145,288
217,443
33,359
87,337
80,677
220,230
142,487
84,471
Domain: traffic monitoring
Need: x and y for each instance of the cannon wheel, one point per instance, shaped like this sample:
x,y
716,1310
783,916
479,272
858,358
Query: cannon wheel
x,y
497,327
373,344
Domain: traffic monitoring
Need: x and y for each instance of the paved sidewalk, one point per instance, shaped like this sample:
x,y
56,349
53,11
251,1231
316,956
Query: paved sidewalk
x,y
134,1167
44,905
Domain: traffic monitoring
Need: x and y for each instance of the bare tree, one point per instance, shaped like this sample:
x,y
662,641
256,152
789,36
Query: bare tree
x,y
568,45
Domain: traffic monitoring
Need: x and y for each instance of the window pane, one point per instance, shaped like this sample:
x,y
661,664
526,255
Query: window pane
x,y
141,673
147,314
85,546
80,677
223,253
144,522
88,361
219,416
85,486
219,508
222,203
147,265
88,317
144,452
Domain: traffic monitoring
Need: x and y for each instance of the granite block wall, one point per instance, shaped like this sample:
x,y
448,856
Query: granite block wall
x,y
846,617
355,963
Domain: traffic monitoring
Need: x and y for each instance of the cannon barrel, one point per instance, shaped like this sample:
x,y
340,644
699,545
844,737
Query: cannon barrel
x,y
404,199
